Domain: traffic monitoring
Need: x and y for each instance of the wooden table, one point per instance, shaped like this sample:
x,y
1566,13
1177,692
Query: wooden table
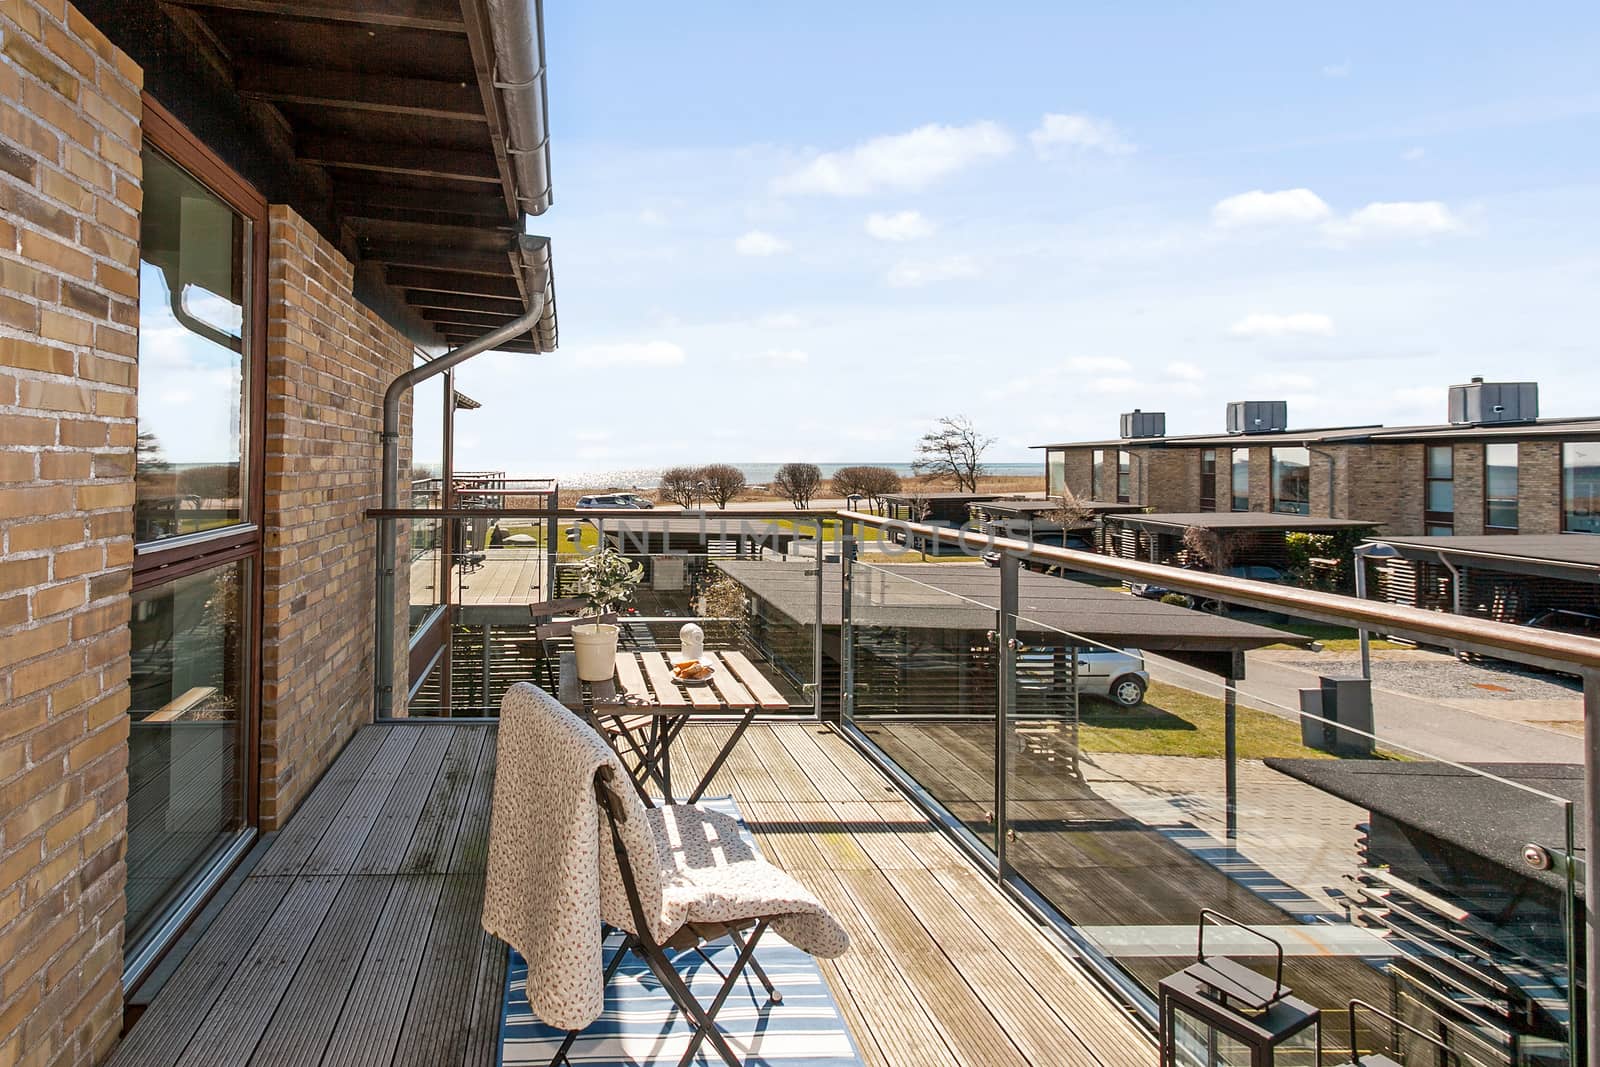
x,y
643,708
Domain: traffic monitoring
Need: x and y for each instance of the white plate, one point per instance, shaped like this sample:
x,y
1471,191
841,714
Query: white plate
x,y
697,681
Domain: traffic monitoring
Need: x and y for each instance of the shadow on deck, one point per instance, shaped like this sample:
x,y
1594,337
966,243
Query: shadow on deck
x,y
354,938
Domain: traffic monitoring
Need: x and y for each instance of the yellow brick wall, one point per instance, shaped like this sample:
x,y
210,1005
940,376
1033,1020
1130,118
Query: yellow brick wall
x,y
69,229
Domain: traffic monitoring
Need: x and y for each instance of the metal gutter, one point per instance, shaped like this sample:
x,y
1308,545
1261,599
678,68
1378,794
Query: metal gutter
x,y
517,29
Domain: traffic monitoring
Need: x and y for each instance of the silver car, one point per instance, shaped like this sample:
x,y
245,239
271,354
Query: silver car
x,y
1117,675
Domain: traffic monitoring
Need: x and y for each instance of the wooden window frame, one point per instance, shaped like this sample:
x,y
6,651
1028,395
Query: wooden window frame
x,y
1488,527
1433,519
1233,504
1208,502
158,563
1124,476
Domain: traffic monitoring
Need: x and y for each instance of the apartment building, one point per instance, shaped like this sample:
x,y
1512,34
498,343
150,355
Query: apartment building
x,y
1493,467
225,229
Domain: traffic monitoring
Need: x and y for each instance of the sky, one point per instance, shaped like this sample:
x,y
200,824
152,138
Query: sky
x,y
805,232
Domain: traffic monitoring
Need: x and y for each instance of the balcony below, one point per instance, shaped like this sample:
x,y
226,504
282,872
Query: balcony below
x,y
353,937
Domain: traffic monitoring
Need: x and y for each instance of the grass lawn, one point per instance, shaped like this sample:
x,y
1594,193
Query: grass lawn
x,y
1178,722
588,536
1332,638
914,557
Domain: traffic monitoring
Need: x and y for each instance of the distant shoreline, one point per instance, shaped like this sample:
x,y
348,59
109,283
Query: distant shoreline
x,y
763,473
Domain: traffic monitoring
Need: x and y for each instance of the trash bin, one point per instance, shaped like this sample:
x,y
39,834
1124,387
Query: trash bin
x,y
1330,715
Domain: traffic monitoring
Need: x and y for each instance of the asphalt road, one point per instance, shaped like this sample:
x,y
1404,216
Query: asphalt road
x,y
1426,726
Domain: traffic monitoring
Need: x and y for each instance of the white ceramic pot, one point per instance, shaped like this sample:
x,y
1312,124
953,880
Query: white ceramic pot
x,y
596,646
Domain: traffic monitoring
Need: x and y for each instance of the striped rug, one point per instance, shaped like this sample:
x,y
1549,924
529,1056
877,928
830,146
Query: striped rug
x,y
640,1026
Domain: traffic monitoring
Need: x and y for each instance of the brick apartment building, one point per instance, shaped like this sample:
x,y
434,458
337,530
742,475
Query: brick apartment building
x,y
1494,468
224,230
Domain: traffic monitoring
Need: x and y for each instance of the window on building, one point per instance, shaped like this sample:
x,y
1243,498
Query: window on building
x,y
1055,472
1291,481
1208,479
194,656
1124,477
1439,490
1240,479
1580,487
1500,487
1097,475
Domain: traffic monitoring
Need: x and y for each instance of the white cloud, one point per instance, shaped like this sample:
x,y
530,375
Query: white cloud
x,y
1337,70
781,320
901,226
1115,384
780,356
1261,208
1085,132
1185,372
1098,364
760,243
911,273
1403,218
1301,324
912,160
1411,155
628,353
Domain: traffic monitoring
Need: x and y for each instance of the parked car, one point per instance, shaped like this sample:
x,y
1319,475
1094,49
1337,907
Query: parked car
x,y
1255,572
1077,541
1565,621
1117,675
614,500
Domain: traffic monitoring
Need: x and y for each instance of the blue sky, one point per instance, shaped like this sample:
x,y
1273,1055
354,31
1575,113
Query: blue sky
x,y
807,231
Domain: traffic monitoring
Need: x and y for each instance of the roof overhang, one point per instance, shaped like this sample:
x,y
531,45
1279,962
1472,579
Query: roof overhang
x,y
428,120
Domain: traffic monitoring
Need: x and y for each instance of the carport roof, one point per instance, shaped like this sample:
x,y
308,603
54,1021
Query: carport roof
x,y
1243,521
1575,557
953,596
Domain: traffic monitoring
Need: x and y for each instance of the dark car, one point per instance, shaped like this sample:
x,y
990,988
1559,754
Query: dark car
x,y
1255,572
1078,542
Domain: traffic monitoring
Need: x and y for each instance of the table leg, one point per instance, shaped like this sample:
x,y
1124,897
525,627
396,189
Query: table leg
x,y
722,756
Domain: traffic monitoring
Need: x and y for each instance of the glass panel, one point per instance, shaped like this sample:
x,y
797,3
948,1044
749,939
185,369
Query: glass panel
x,y
1195,1043
186,751
924,664
1441,461
1124,477
1097,475
1441,497
1500,480
1144,785
1055,472
1291,481
192,367
1440,530
1208,480
1241,479
1580,486
427,491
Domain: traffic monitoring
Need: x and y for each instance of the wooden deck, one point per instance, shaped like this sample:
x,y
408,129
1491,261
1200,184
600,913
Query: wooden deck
x,y
355,940
506,576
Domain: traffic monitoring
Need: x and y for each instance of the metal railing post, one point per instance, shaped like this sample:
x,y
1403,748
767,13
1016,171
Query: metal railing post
x,y
816,630
1005,699
847,638
1591,835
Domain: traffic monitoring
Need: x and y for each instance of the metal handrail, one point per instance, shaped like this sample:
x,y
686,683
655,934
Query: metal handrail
x,y
1542,648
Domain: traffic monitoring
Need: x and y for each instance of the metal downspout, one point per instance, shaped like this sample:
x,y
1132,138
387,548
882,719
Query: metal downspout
x,y
391,480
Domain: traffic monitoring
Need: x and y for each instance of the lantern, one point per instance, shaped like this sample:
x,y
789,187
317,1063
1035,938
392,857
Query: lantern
x,y
1218,1013
1378,1059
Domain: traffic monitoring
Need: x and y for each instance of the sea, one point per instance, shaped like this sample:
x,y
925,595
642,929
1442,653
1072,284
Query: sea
x,y
763,473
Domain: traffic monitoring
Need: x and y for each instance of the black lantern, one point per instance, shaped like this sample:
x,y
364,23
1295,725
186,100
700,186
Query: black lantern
x,y
1218,1013
1378,1059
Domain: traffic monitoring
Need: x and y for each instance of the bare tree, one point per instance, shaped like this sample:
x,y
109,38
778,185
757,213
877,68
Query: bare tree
x,y
798,482
874,483
723,481
1072,513
953,450
677,485
1214,548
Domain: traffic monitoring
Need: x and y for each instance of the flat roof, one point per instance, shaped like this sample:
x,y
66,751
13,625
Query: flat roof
x,y
952,596
1033,507
1477,814
1575,555
953,497
1554,427
1242,520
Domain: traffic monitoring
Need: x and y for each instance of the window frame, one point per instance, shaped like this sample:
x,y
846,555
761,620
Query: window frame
x,y
1208,479
160,562
1272,470
1566,512
1124,476
1436,520
1233,484
1516,498
1097,461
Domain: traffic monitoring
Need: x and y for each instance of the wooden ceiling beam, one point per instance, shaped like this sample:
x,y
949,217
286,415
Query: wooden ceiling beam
x,y
447,281
437,257
457,101
448,302
474,319
439,206
438,16
414,160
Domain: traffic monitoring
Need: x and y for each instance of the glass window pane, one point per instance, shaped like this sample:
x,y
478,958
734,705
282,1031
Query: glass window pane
x,y
1291,481
186,784
1055,473
1580,486
1096,473
1241,479
1441,461
192,369
1442,496
1500,486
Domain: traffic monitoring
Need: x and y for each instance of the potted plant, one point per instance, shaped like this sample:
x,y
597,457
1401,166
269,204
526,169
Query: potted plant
x,y
607,580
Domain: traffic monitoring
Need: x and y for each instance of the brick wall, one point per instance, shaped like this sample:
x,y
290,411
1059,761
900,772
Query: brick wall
x,y
1539,487
1469,488
329,360
69,197
1173,480
1076,466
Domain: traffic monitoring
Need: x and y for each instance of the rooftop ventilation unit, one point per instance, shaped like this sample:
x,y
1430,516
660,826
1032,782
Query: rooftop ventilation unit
x,y
1138,423
1258,416
1481,403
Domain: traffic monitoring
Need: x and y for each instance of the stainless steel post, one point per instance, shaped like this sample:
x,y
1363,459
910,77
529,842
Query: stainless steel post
x,y
1591,886
847,669
816,631
1230,741
1361,594
1006,650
